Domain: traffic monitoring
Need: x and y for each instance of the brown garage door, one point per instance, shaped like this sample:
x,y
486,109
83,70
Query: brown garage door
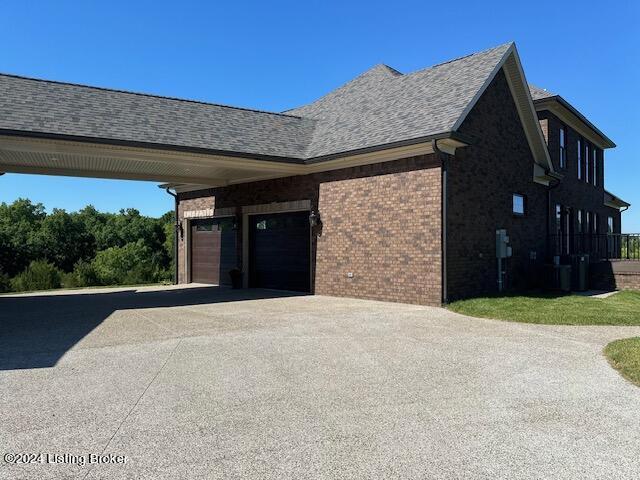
x,y
213,250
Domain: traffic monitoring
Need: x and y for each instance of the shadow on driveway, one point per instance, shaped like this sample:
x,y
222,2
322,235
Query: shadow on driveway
x,y
37,330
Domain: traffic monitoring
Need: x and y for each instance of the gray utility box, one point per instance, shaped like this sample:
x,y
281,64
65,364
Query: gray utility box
x,y
558,277
580,272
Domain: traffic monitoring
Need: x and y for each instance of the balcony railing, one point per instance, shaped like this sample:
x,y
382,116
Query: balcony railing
x,y
600,246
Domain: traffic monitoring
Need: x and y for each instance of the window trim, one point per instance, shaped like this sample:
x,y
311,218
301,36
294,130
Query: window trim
x,y
524,204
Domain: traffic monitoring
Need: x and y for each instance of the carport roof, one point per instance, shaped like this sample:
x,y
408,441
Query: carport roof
x,y
380,107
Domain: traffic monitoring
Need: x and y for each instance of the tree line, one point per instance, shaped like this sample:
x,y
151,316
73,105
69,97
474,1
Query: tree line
x,y
40,250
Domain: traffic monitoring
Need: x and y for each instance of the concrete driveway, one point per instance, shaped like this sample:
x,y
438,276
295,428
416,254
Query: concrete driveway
x,y
213,383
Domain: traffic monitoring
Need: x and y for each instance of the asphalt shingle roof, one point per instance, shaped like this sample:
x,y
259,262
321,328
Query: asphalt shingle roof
x,y
538,93
379,107
382,106
76,110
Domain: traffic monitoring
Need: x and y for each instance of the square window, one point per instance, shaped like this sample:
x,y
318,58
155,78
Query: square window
x,y
518,204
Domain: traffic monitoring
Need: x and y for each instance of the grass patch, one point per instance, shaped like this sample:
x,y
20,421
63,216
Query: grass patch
x,y
624,356
623,308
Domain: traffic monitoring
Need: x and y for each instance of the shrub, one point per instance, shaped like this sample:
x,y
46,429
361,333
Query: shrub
x,y
129,264
39,275
85,274
5,282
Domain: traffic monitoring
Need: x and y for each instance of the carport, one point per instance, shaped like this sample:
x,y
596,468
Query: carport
x,y
54,128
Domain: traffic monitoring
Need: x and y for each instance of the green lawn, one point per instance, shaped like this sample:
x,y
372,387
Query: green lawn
x,y
624,356
623,308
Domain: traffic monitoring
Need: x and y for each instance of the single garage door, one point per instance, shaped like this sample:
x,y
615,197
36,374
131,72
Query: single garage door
x,y
280,251
213,250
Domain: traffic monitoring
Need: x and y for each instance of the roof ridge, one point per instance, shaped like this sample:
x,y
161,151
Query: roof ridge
x,y
377,66
462,57
150,95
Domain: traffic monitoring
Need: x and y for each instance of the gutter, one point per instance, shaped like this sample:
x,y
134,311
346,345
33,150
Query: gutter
x,y
175,235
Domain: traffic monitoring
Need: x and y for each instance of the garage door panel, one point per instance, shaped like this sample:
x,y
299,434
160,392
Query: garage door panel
x,y
213,250
280,251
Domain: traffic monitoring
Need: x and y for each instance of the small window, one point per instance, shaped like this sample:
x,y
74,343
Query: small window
x,y
580,222
563,147
596,220
580,167
558,218
518,204
204,227
610,225
594,162
587,227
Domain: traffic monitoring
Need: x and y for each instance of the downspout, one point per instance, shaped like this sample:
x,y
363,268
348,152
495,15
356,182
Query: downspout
x,y
443,221
549,188
175,235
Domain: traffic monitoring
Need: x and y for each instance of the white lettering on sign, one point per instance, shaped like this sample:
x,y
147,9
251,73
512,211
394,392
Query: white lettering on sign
x,y
198,213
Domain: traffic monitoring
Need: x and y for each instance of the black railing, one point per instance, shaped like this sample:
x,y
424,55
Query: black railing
x,y
600,246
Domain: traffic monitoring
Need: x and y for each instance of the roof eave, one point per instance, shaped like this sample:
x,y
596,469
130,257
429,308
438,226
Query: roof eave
x,y
542,102
460,139
611,200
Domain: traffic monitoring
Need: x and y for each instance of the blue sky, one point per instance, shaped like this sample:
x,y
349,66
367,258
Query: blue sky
x,y
276,55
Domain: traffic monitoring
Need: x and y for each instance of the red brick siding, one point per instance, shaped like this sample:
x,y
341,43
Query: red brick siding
x,y
386,231
380,221
482,179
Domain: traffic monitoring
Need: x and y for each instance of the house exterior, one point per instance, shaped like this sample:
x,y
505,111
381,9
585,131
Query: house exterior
x,y
391,187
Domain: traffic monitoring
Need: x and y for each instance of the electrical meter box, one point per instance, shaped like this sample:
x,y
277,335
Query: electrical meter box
x,y
503,249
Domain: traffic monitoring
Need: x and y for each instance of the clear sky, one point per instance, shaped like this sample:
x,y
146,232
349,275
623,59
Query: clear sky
x,y
275,55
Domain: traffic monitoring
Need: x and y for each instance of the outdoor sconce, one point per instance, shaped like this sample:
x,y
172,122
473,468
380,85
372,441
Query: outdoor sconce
x,y
179,229
314,219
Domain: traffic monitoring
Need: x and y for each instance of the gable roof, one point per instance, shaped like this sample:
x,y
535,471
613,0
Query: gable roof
x,y
383,106
378,109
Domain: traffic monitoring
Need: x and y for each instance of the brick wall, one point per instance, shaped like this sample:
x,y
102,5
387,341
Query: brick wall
x,y
380,221
482,180
386,231
571,192
620,275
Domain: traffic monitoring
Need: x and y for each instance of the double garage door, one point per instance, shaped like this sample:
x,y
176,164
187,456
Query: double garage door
x,y
279,251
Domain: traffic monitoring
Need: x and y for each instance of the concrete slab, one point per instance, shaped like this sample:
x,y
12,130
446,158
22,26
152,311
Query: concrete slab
x,y
208,382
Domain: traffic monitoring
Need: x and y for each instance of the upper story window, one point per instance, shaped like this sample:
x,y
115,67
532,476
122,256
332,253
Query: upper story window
x,y
594,156
580,166
587,225
587,163
518,204
563,147
596,221
609,224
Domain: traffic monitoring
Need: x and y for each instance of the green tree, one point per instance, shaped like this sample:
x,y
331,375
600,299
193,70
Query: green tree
x,y
63,240
19,225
